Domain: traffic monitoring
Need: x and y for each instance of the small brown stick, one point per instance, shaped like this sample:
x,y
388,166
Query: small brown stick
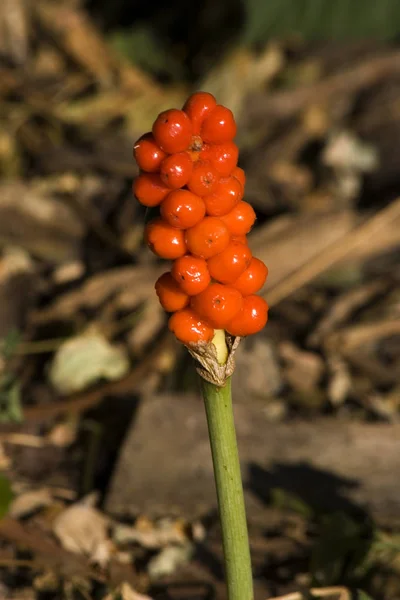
x,y
342,308
334,253
337,593
283,105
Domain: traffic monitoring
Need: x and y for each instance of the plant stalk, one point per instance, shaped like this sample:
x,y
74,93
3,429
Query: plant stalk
x,y
228,481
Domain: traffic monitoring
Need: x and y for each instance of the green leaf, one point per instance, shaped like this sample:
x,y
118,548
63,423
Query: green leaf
x,y
6,495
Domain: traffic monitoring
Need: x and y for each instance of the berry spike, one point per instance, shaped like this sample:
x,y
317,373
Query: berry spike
x,y
189,176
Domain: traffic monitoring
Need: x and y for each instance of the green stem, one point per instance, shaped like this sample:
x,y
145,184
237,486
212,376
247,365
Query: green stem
x,y
221,428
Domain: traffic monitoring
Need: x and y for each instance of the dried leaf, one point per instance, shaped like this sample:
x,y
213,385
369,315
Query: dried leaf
x,y
125,592
169,560
84,530
18,288
127,286
253,71
46,582
153,536
30,501
39,223
346,152
349,339
285,245
14,30
206,354
86,359
326,593
5,461
63,434
152,318
78,37
303,370
342,308
339,384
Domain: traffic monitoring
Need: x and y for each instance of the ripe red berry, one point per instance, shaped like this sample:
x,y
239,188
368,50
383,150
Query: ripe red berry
x,y
148,154
182,209
171,296
219,126
240,176
252,279
164,240
176,170
149,189
197,106
240,238
226,195
241,218
204,178
210,236
223,157
229,264
191,273
218,304
172,131
189,328
251,318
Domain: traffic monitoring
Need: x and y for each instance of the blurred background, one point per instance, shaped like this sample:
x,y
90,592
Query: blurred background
x,y
106,488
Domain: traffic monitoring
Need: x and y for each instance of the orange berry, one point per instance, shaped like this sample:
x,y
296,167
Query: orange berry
x,y
251,319
241,218
210,236
218,304
172,131
148,154
197,106
182,209
226,195
219,126
240,175
223,157
171,296
240,238
176,169
189,328
204,178
164,240
252,279
191,273
149,189
229,264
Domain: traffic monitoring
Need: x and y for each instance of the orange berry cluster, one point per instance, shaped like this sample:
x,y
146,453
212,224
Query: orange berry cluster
x,y
188,167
